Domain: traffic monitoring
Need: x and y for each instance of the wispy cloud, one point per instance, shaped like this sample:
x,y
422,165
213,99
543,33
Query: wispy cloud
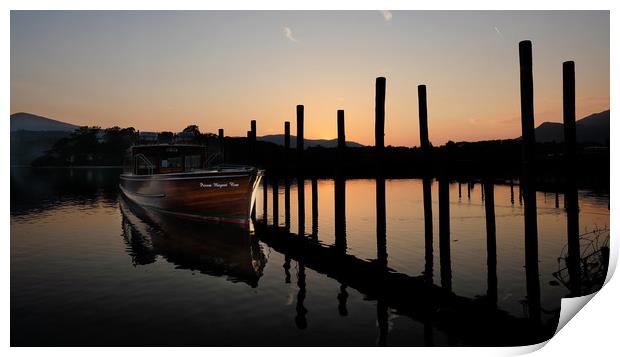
x,y
499,33
289,34
387,15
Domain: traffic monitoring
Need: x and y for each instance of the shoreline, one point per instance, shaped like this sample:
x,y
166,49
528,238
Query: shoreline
x,y
67,167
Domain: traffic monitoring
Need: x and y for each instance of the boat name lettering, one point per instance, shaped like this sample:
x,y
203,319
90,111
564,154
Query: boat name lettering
x,y
218,185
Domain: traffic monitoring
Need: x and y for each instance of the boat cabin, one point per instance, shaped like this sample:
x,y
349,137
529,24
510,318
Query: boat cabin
x,y
164,159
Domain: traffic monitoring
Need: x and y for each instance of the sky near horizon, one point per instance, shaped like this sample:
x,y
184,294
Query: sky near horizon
x,y
219,69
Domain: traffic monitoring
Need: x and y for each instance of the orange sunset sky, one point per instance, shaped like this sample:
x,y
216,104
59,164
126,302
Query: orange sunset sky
x,y
220,69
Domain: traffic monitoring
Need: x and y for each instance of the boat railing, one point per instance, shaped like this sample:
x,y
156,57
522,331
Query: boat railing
x,y
223,167
212,158
150,167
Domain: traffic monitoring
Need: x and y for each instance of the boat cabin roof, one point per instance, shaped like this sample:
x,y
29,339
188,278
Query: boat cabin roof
x,y
163,147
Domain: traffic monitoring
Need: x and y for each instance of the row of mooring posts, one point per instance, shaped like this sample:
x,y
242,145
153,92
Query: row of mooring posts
x,y
527,191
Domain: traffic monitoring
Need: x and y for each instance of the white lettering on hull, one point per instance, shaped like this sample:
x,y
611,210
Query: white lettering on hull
x,y
218,185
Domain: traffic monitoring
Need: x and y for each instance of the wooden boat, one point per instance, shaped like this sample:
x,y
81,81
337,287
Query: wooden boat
x,y
175,179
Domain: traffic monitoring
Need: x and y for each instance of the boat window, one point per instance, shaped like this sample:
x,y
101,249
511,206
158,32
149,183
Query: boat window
x,y
192,162
171,162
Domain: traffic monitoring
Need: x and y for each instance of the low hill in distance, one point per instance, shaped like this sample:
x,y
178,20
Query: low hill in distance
x,y
32,122
591,129
32,135
278,139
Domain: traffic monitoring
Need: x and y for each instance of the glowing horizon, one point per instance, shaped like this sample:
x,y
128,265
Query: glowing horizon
x,y
160,71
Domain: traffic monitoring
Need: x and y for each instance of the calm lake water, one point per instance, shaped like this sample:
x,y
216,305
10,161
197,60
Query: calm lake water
x,y
88,268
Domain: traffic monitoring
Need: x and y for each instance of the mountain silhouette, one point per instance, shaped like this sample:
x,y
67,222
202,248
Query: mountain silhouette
x,y
278,139
592,129
32,122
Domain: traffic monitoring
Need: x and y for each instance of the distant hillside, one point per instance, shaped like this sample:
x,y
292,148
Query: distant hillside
x,y
32,135
31,122
591,129
27,145
326,143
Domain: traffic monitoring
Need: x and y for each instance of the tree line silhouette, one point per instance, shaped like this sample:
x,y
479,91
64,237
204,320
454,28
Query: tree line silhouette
x,y
93,146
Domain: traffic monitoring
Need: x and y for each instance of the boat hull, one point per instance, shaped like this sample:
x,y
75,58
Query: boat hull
x,y
225,196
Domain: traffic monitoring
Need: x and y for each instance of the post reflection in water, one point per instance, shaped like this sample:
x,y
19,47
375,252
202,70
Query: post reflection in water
x,y
428,255
381,229
340,214
382,322
287,269
428,230
276,213
265,189
301,207
382,256
489,206
444,233
342,300
315,209
300,317
287,203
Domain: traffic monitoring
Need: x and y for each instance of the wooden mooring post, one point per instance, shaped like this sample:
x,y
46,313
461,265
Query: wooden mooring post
x,y
250,149
220,141
287,145
340,189
300,137
287,181
301,209
253,131
252,140
342,143
379,120
423,116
